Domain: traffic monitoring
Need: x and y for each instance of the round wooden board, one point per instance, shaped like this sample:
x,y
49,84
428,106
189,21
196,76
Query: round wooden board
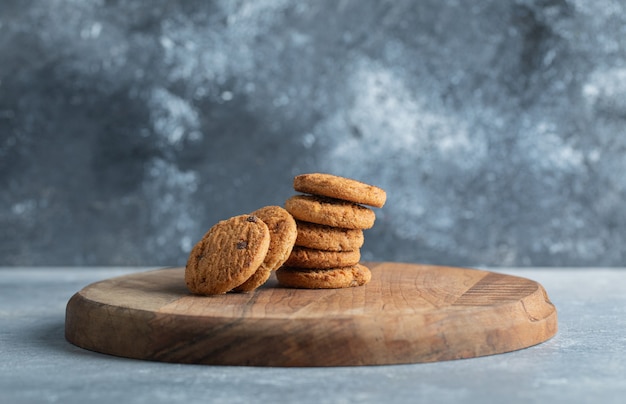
x,y
408,313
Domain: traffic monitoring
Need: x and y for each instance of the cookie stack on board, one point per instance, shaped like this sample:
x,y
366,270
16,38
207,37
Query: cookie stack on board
x,y
330,218
314,242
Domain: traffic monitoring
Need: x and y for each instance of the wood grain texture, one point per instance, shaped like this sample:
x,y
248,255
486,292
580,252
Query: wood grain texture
x,y
408,313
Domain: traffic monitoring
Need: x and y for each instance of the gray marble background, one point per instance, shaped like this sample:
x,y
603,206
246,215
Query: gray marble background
x,y
128,128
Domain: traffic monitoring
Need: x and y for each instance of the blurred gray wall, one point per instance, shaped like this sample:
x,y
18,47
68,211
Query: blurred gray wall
x,y
128,128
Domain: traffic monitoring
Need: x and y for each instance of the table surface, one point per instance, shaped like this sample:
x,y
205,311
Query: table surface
x,y
584,362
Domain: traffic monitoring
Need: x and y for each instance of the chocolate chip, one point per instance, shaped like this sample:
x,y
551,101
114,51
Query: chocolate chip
x,y
241,245
252,219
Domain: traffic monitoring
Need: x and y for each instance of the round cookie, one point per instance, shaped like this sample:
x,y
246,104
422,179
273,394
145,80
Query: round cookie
x,y
283,233
330,212
333,278
302,257
337,187
228,254
321,237
257,279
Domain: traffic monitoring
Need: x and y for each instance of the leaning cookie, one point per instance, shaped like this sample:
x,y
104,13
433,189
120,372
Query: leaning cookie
x,y
257,279
283,233
228,254
330,212
337,187
333,278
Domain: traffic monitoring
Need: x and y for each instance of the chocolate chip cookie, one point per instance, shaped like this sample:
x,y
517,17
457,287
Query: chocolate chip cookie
x,y
228,255
283,233
327,238
332,278
337,187
330,212
302,257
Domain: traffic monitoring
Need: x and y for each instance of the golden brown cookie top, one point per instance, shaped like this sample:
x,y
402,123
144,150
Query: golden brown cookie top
x,y
334,186
330,212
228,254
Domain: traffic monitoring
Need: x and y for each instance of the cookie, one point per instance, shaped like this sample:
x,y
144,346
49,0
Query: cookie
x,y
283,233
321,237
330,212
257,279
302,257
337,187
228,254
333,278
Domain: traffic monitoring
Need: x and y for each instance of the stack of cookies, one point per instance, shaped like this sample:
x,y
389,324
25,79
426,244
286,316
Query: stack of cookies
x,y
330,218
314,242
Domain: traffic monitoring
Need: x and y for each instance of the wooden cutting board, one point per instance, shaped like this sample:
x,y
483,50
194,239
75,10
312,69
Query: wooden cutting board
x,y
408,313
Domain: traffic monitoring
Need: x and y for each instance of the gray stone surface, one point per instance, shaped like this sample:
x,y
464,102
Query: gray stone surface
x,y
584,363
128,128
